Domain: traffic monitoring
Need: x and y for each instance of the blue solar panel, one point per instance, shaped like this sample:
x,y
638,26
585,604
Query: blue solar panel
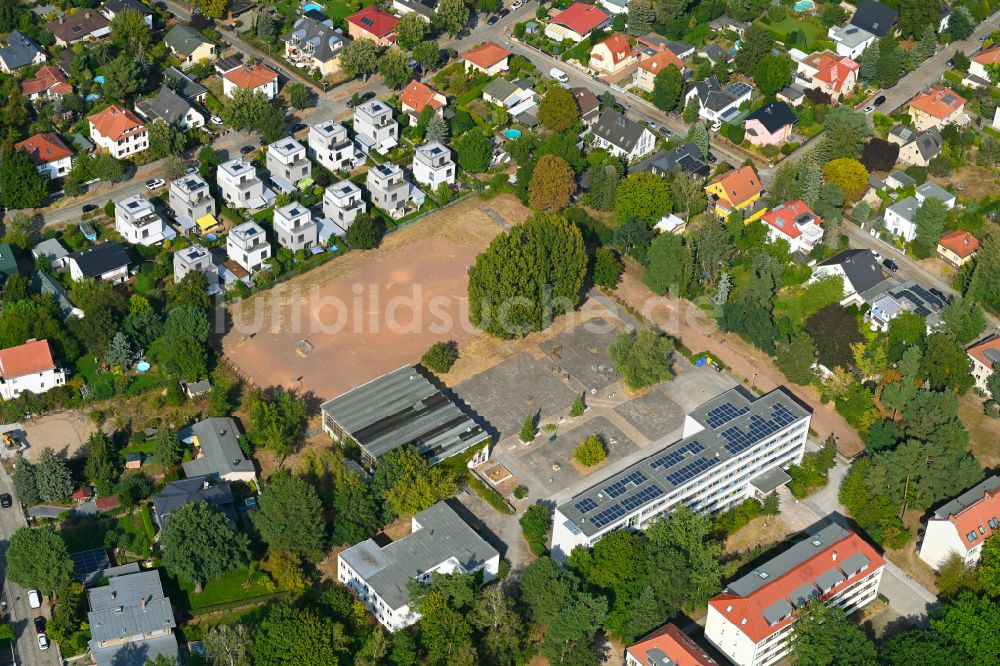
x,y
723,414
583,506
668,460
691,470
758,429
620,487
609,515
648,493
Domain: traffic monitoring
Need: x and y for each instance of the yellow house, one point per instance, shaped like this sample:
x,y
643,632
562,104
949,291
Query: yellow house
x,y
739,189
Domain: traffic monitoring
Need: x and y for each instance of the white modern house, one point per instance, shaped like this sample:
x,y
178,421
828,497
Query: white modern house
x,y
287,163
432,165
330,147
851,40
240,186
733,447
859,270
294,227
751,620
962,525
192,202
342,203
375,128
439,542
796,223
196,259
139,224
247,245
28,367
390,190
900,218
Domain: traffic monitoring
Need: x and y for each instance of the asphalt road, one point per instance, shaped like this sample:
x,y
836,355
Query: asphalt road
x,y
18,613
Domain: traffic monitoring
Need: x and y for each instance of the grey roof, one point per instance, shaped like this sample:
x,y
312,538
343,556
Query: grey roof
x,y
791,92
116,6
80,141
127,606
929,143
854,563
679,47
930,189
724,22
803,593
876,182
19,51
901,178
778,611
500,89
618,130
704,87
189,88
218,438
860,267
325,40
830,579
773,116
166,105
684,158
913,297
50,248
770,480
404,407
184,39
786,561
904,132
100,259
423,7
968,498
442,535
905,208
850,35
874,17
197,489
724,418
712,96
137,654
44,283
714,52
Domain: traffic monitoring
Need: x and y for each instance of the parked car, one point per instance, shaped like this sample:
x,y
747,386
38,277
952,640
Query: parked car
x,y
879,101
89,208
651,125
216,120
34,599
298,127
712,159
503,13
717,125
517,4
362,98
40,625
666,132
890,264
155,183
246,150
43,642
6,501
492,20
868,110
558,75
191,170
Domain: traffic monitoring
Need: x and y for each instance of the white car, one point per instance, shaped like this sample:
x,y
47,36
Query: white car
x,y
216,120
516,5
155,183
191,170
43,642
34,599
717,125
558,75
869,110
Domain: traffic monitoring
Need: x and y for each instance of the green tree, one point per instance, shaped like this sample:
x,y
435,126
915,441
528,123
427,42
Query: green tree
x,y
277,420
964,319
25,482
102,466
688,537
437,130
10,13
558,110
106,167
946,365
393,68
823,636
440,357
669,265
527,275
570,636
410,30
929,222
641,15
668,85
591,451
495,614
529,430
287,636
961,24
208,159
771,74
267,28
359,58
119,352
917,647
123,78
38,559
698,135
130,32
970,622
644,358
407,484
989,566
604,179
55,483
846,130
579,407
451,16
427,54
890,64
544,590
535,525
166,447
643,195
552,184
757,43
227,644
608,268
474,151
364,233
796,357
691,110
212,8
849,175
299,97
198,544
290,517
21,186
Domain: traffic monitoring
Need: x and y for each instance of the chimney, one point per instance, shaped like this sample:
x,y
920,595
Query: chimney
x,y
86,15
834,555
143,603
114,594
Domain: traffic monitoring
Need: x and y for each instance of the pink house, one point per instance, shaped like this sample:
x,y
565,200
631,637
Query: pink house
x,y
374,24
770,125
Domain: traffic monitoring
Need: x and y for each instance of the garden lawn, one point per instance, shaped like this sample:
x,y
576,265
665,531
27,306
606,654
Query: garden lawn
x,y
782,30
90,535
226,589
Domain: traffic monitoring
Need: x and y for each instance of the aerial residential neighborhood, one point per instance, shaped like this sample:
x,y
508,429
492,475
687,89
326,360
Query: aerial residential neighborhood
x,y
448,332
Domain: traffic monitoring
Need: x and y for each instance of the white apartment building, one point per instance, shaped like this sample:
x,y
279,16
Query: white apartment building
x,y
294,227
733,447
196,259
247,245
342,203
28,367
287,163
962,525
138,223
191,200
375,128
439,542
751,620
432,165
240,186
329,146
391,192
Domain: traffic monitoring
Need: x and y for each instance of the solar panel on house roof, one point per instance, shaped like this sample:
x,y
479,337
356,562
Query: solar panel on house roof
x,y
691,470
367,21
723,414
620,487
758,428
670,459
648,493
585,505
90,564
739,89
611,514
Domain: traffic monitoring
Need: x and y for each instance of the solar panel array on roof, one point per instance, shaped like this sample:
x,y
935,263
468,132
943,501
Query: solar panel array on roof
x,y
586,505
739,89
670,459
759,428
90,564
691,470
620,487
367,21
723,414
611,514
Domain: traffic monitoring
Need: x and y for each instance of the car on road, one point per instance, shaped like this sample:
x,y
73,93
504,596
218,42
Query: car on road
x,y
492,20
89,208
651,125
216,120
362,98
517,4
504,13
558,75
879,101
298,127
43,642
890,264
712,159
191,170
665,131
155,183
717,125
246,150
40,625
878,257
34,599
868,110
6,501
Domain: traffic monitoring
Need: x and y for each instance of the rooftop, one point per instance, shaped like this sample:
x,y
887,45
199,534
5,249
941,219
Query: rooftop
x,y
129,605
375,21
218,439
669,646
938,101
580,18
100,259
975,513
44,148
115,122
739,185
859,266
987,351
30,358
251,76
486,55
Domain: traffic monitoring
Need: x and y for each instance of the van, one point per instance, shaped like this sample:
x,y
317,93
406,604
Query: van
x,y
558,75
34,599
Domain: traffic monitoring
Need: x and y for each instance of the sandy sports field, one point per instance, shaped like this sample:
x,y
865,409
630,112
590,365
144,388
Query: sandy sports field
x,y
63,432
367,313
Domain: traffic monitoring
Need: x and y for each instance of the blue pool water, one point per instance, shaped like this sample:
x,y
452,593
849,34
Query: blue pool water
x,y
142,366
91,97
310,6
211,237
512,133
99,79
803,5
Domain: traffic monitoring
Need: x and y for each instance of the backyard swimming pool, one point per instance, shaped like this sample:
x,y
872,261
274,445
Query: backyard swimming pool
x,y
803,5
512,133
311,6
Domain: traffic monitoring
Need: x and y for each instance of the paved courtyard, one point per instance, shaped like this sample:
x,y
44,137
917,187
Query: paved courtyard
x,y
583,353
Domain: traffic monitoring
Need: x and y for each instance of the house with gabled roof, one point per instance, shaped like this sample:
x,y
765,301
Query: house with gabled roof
x,y
28,367
213,492
686,158
645,73
623,137
716,103
488,58
960,527
979,75
875,17
828,72
118,131
113,8
736,190
985,355
426,9
216,451
131,621
47,83
374,24
667,646
108,261
20,51
50,155
171,108
796,223
770,125
858,268
916,148
417,95
576,22
189,45
957,248
587,103
84,25
937,106
611,55
314,45
255,78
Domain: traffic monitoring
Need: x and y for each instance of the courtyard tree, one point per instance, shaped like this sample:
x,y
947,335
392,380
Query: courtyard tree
x,y
608,268
130,32
552,184
643,358
406,483
528,429
591,451
441,356
37,558
929,222
823,636
290,517
167,449
771,74
535,525
198,544
558,110
360,57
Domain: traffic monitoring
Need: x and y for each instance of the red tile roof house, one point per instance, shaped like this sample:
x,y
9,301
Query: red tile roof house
x,y
48,82
612,55
796,223
984,354
956,248
51,156
256,77
645,75
936,107
751,621
829,73
667,646
578,21
118,131
374,24
28,367
488,58
978,64
962,525
417,95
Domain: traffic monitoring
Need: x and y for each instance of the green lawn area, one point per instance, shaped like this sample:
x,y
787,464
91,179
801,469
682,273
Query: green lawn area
x,y
227,588
783,29
336,9
799,303
91,535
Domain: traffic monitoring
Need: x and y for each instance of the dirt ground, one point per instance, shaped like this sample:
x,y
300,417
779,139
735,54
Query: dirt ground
x,y
980,182
907,557
368,313
984,432
763,531
63,432
699,332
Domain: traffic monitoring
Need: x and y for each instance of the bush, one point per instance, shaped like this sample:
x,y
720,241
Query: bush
x,y
591,451
535,525
492,497
810,475
643,359
732,520
441,356
607,268
579,407
520,492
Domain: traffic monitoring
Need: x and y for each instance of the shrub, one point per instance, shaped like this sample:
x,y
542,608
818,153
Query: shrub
x,y
441,356
528,429
520,492
591,451
535,525
608,268
578,407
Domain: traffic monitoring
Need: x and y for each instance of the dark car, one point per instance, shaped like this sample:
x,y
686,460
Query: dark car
x,y
712,159
298,127
90,208
879,101
362,98
40,624
492,20
6,501
890,264
503,13
246,150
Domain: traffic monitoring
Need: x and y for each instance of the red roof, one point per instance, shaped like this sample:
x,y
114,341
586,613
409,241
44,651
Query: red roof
x,y
251,77
106,503
961,242
938,101
834,69
115,122
83,494
26,359
978,351
675,644
417,95
374,20
618,46
746,613
44,148
973,522
580,18
660,61
738,185
785,217
486,55
990,56
46,78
